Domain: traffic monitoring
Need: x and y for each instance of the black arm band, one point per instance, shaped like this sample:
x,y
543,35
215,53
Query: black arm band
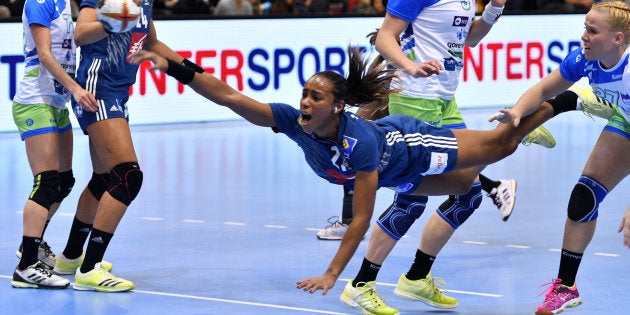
x,y
564,102
192,65
179,72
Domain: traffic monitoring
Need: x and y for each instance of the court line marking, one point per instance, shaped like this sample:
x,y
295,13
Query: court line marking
x,y
204,298
449,290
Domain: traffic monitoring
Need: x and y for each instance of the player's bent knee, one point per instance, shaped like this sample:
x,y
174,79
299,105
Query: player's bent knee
x,y
98,185
405,210
125,182
585,198
457,209
46,189
67,181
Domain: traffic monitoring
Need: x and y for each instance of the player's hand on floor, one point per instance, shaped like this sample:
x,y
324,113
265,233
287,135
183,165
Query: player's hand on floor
x,y
323,282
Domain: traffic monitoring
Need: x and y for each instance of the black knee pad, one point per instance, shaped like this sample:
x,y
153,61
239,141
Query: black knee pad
x,y
67,182
125,180
46,188
457,209
585,198
98,184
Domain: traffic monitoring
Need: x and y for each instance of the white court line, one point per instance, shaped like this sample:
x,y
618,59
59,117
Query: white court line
x,y
271,226
152,219
235,223
449,290
475,243
203,298
607,254
517,246
193,221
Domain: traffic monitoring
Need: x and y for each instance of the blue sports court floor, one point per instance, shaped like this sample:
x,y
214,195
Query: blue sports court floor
x,y
226,221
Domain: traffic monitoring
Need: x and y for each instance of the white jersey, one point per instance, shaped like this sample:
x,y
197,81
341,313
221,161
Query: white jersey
x,y
611,84
38,86
437,31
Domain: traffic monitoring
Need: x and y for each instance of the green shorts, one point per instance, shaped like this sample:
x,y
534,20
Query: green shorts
x,y
618,124
37,119
436,112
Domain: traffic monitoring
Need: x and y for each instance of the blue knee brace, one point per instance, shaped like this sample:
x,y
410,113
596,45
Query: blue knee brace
x,y
585,199
456,210
405,210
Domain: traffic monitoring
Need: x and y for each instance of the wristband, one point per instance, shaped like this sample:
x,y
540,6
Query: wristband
x,y
491,14
180,73
192,65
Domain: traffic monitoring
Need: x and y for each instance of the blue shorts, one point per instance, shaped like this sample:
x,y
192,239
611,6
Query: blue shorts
x,y
107,108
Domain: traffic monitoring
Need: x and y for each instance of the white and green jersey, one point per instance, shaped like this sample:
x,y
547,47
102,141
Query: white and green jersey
x,y
437,31
38,86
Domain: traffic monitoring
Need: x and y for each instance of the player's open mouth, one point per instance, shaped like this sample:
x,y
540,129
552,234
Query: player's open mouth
x,y
304,118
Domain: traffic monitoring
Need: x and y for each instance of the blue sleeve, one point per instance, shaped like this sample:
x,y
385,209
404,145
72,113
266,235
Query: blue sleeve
x,y
40,13
408,10
89,3
286,118
363,157
572,68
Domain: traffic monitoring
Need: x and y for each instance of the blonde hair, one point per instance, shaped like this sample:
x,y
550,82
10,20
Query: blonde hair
x,y
618,16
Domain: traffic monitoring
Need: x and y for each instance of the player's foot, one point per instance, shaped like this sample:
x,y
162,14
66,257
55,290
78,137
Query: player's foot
x,y
425,290
335,231
44,254
557,297
39,277
366,299
540,136
504,196
591,104
66,266
99,279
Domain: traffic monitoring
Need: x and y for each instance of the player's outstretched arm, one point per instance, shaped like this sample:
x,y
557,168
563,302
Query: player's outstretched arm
x,y
211,88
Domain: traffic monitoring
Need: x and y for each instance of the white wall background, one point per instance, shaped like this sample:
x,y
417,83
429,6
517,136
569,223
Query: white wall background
x,y
517,53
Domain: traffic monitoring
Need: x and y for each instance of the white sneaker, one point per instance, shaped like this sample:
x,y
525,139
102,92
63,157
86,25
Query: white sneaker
x,y
44,254
366,299
335,231
504,196
39,277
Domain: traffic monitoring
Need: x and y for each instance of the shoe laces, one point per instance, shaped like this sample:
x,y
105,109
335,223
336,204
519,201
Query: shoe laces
x,y
40,267
550,292
369,294
602,111
436,284
47,250
334,222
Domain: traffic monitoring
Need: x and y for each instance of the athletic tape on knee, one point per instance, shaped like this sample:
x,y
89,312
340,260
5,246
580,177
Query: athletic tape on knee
x,y
125,182
98,184
67,182
405,210
46,187
457,209
585,199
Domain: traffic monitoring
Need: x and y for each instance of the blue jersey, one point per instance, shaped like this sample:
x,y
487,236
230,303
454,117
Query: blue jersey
x,y
103,69
611,84
401,148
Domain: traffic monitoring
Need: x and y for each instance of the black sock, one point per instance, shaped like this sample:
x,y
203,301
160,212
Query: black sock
x,y
367,273
346,211
488,184
97,245
421,266
569,264
78,234
30,246
563,102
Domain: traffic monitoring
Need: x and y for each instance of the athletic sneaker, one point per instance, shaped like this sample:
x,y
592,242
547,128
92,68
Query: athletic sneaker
x,y
425,290
39,277
335,231
540,136
366,299
591,104
99,279
66,266
557,297
504,196
44,254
